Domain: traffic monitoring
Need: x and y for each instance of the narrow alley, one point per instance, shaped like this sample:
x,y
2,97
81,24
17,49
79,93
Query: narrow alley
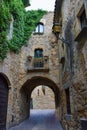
x,y
43,65
40,120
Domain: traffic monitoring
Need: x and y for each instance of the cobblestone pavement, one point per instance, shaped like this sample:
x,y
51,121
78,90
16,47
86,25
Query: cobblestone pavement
x,y
40,120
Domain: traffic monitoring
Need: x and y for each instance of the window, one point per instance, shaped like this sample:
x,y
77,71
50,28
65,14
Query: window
x,y
38,58
39,29
68,101
62,61
38,53
83,19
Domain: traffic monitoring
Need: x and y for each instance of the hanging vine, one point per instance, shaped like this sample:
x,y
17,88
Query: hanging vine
x,y
4,26
23,25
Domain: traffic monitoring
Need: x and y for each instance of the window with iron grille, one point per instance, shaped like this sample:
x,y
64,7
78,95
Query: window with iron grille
x,y
38,58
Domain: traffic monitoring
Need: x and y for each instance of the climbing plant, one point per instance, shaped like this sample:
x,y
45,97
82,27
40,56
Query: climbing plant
x,y
32,18
23,25
4,26
18,13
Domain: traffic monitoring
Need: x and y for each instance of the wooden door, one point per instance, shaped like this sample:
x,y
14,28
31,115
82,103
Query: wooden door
x,y
3,102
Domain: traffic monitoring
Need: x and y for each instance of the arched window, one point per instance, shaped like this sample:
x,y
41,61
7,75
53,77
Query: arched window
x,y
38,53
40,28
38,58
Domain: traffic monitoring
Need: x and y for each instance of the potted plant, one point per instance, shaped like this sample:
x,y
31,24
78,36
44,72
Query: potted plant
x,y
45,58
29,58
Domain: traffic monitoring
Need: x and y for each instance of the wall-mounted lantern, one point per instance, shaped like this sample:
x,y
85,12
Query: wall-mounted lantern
x,y
56,29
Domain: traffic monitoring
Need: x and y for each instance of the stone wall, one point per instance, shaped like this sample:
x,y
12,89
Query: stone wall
x,y
15,67
66,70
43,98
74,73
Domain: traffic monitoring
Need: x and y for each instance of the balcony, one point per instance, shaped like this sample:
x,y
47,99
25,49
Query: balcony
x,y
38,64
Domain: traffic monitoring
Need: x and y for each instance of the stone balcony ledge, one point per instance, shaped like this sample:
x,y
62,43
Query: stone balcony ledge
x,y
38,64
38,69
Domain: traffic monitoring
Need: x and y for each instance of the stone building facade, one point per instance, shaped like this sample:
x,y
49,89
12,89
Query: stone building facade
x,y
71,15
57,60
37,64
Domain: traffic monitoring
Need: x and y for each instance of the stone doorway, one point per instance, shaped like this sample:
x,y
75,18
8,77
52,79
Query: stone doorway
x,y
3,102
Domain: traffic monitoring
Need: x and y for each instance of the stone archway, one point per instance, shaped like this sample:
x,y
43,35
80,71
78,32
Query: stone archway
x,y
3,100
29,86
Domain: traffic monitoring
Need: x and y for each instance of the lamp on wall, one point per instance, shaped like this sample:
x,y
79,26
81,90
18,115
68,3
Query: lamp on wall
x,y
57,31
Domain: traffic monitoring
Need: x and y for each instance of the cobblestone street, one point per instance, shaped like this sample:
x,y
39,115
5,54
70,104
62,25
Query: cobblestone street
x,y
40,120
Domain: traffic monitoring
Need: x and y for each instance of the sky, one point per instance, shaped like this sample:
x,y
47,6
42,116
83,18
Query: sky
x,y
42,4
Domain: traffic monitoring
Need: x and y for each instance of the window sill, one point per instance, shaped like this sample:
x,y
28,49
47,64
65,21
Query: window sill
x,y
68,117
38,33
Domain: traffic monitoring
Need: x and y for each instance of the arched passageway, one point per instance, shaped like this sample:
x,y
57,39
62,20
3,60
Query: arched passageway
x,y
28,88
42,98
3,100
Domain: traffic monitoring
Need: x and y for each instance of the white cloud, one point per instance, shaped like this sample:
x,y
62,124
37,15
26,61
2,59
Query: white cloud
x,y
41,4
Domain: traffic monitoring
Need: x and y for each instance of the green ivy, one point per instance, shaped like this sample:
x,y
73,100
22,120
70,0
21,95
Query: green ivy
x,y
18,12
26,2
4,26
32,18
23,25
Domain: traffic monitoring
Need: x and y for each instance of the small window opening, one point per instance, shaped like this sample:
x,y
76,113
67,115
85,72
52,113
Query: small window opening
x,y
62,61
39,29
68,101
38,58
83,19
